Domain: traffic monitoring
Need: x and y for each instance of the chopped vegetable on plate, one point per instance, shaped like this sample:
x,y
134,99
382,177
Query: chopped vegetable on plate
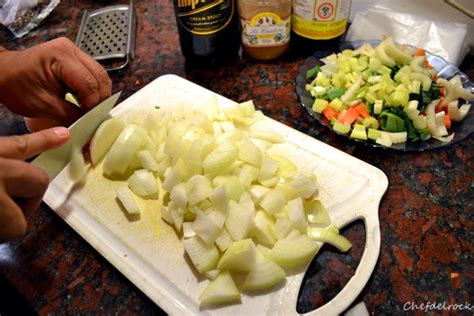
x,y
386,94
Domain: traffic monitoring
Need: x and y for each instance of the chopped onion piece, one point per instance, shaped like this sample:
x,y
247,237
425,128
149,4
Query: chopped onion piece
x,y
248,152
205,227
203,256
166,215
219,198
268,168
240,256
445,139
273,202
329,236
147,161
292,252
212,274
263,276
261,131
125,196
174,176
177,214
179,195
316,213
143,183
222,290
296,214
221,158
123,150
305,185
239,221
104,137
263,228
198,188
78,167
188,231
224,240
257,192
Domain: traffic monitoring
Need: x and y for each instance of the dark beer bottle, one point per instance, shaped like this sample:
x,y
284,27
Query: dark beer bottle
x,y
208,29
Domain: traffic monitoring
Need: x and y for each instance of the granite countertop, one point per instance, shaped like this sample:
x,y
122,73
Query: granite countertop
x,y
426,217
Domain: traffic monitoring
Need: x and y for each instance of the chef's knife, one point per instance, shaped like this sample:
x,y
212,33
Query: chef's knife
x,y
54,160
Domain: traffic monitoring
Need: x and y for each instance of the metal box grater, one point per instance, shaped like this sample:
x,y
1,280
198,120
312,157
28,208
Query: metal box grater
x,y
108,35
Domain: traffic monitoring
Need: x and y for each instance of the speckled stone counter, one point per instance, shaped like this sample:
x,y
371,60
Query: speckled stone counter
x,y
426,215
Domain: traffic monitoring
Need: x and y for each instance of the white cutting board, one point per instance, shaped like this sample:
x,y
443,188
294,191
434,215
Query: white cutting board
x,y
148,251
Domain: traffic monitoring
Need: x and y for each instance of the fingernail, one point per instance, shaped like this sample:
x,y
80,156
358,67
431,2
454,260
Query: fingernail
x,y
61,131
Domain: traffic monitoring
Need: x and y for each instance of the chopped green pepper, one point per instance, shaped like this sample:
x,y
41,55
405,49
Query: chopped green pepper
x,y
311,73
390,122
336,93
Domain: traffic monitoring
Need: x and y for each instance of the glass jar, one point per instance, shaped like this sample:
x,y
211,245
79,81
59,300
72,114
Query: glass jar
x,y
318,24
265,27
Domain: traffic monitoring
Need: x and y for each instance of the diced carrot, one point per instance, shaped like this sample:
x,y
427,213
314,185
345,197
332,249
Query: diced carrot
x,y
341,114
440,106
427,64
419,52
350,116
442,90
329,112
435,77
362,110
447,121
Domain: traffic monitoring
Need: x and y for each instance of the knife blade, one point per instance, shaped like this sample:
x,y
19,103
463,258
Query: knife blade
x,y
54,160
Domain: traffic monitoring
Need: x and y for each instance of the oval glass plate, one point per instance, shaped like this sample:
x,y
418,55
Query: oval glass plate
x,y
444,69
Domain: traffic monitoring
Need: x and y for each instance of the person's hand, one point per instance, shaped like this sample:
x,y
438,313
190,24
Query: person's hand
x,y
33,82
22,185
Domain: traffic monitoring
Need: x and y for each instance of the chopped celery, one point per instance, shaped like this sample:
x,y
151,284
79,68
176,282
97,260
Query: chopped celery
x,y
399,98
336,104
384,70
319,105
318,91
378,106
415,86
359,132
343,128
374,64
373,134
371,122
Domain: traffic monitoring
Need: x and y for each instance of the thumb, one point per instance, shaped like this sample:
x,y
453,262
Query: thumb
x,y
29,145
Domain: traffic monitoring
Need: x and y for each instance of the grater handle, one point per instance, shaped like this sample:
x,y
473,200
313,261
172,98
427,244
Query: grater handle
x,y
83,24
110,69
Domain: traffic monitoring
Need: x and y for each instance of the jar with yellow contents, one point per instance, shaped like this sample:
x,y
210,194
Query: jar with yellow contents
x,y
265,27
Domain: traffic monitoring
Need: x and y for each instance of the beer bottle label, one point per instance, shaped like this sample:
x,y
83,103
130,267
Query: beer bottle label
x,y
204,17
